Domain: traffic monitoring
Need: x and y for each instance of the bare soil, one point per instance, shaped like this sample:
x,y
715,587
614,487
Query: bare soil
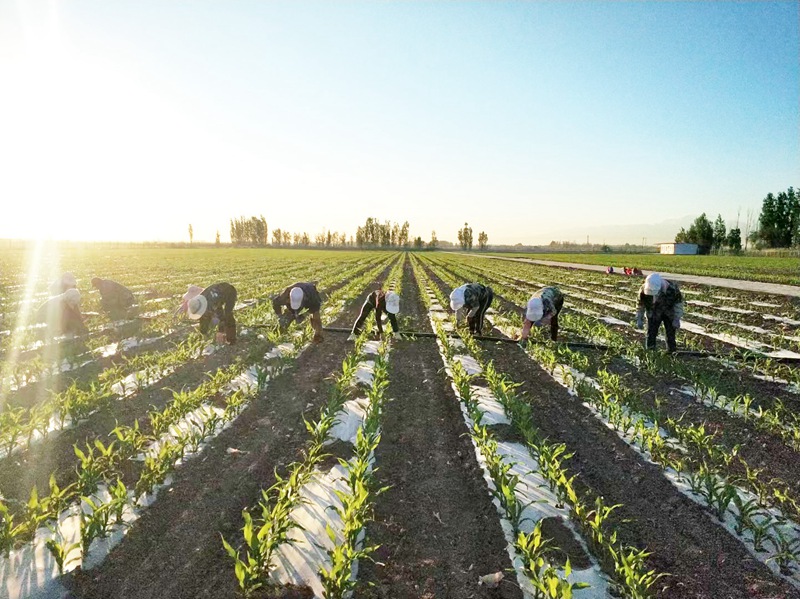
x,y
436,525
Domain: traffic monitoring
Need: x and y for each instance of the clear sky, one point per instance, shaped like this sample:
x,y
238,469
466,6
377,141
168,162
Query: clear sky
x,y
132,119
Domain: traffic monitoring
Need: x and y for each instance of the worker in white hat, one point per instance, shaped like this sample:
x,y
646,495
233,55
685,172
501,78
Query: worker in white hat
x,y
214,306
472,300
62,314
62,283
297,298
662,301
382,302
191,291
543,308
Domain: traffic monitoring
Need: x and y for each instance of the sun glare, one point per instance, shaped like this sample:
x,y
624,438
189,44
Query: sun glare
x,y
41,266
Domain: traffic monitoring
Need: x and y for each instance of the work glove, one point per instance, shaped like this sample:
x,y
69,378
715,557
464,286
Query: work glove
x,y
397,336
676,322
352,337
640,322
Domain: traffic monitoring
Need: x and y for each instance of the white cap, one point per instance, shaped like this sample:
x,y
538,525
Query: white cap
x,y
535,310
457,298
197,307
392,303
295,298
192,291
72,297
652,284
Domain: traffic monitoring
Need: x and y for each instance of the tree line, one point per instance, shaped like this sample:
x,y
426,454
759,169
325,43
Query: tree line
x,y
255,232
778,226
465,238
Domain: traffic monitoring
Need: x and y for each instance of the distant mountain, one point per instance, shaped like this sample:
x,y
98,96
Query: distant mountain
x,y
652,233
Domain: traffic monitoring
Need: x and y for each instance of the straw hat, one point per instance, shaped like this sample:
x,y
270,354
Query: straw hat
x,y
197,307
192,291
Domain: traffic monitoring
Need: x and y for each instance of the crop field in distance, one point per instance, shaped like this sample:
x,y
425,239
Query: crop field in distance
x,y
750,268
144,460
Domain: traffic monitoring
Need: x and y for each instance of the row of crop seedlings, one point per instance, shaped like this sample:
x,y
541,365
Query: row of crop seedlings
x,y
66,359
20,427
730,337
710,311
163,324
690,459
311,527
563,279
92,514
529,482
775,420
308,528
762,367
701,386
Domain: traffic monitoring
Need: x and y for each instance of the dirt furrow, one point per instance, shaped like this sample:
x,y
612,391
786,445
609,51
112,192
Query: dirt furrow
x,y
436,525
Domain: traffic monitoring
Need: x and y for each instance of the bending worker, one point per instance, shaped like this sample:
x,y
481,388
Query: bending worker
x,y
383,302
62,314
474,299
214,305
662,301
114,298
543,309
291,301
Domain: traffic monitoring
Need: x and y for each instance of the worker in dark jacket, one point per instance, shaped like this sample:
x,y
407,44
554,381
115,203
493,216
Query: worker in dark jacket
x,y
662,301
62,314
114,297
382,302
297,298
473,299
543,309
214,305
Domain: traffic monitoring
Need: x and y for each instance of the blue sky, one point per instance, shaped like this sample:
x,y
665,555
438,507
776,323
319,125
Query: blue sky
x,y
532,121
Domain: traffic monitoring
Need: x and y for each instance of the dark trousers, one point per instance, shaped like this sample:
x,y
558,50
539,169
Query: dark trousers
x,y
476,322
366,309
654,323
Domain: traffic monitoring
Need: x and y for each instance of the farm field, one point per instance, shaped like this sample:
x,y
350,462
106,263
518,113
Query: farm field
x,y
750,268
142,460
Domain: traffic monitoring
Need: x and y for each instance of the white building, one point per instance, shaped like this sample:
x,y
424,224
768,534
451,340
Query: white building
x,y
683,249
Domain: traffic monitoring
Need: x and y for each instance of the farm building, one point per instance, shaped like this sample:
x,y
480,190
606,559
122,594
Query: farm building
x,y
685,249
